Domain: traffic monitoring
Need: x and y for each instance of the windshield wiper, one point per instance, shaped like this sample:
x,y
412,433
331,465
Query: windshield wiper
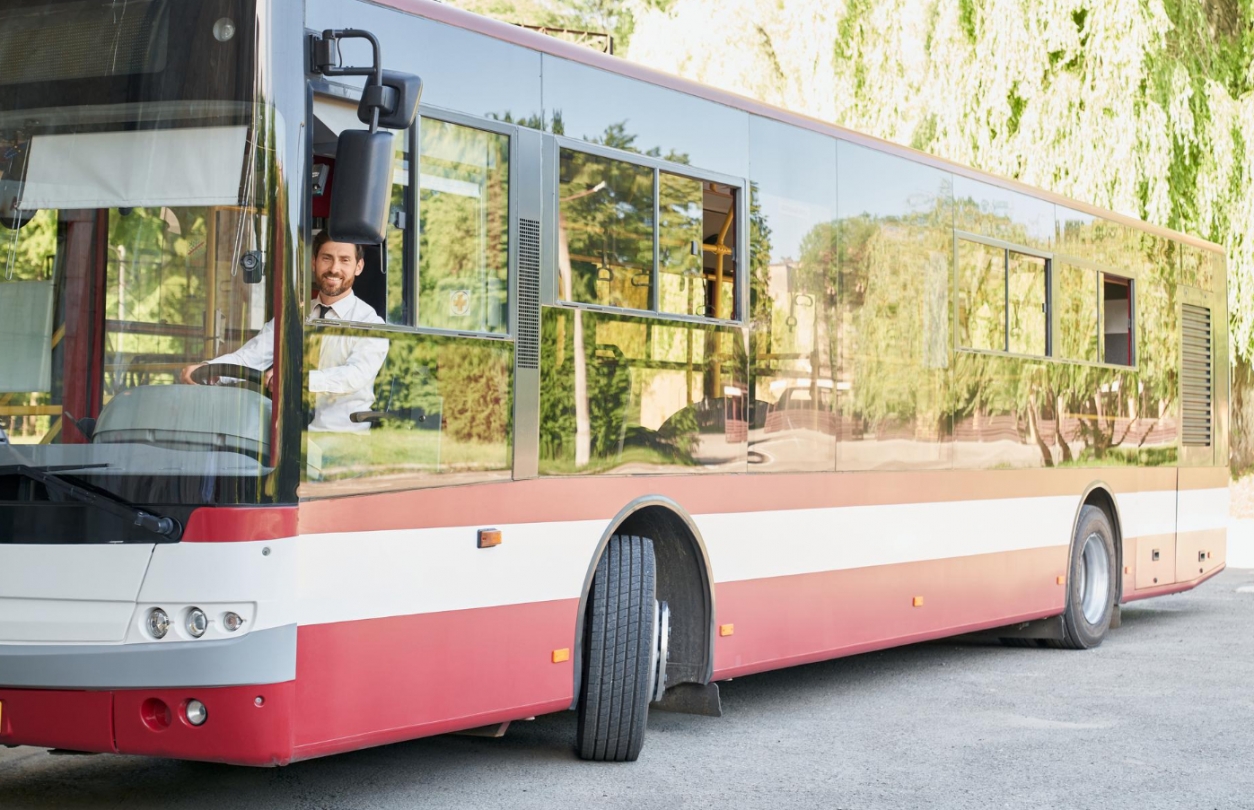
x,y
81,491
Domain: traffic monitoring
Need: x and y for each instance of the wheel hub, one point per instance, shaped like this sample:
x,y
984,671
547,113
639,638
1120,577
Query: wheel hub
x,y
1094,578
661,650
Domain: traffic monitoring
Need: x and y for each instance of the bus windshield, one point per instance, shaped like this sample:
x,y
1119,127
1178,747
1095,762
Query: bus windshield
x,y
133,244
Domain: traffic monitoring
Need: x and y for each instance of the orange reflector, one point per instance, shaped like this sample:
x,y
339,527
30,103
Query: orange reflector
x,y
918,601
726,629
1061,580
1127,569
489,538
561,655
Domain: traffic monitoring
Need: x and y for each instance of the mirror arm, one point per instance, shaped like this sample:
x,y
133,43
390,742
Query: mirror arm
x,y
325,54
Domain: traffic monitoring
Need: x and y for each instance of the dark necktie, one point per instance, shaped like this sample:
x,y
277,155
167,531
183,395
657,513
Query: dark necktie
x,y
323,309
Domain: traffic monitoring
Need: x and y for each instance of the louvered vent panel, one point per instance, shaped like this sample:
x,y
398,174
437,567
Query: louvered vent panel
x,y
528,345
1195,376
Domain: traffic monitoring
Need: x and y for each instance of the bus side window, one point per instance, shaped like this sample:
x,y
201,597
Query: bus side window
x,y
463,230
1117,321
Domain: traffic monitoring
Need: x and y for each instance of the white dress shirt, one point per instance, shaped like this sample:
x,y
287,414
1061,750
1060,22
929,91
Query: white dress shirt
x,y
343,382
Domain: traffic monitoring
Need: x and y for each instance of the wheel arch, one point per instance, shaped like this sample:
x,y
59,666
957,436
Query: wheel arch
x,y
1099,494
684,580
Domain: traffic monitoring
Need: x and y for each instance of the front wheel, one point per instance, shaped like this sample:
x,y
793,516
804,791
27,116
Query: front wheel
x,y
1092,584
619,652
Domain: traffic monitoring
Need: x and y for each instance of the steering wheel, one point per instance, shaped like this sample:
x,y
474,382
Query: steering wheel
x,y
243,376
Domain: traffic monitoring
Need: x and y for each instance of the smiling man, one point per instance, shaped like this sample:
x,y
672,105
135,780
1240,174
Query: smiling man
x,y
343,382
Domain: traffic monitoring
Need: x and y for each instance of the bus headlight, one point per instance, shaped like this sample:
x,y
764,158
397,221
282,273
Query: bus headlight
x,y
197,623
232,621
158,623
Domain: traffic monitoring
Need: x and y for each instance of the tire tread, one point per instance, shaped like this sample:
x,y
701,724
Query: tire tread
x,y
613,706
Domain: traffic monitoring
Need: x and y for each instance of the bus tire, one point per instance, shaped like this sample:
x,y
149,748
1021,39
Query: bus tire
x,y
1091,582
617,652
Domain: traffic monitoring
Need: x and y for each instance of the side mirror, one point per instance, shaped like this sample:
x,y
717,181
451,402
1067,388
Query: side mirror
x,y
362,192
396,99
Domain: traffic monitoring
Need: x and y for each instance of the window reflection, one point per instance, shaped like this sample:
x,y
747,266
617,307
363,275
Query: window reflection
x,y
1076,308
1000,213
605,231
463,254
696,247
794,422
1026,294
896,259
441,415
587,103
624,394
680,236
981,296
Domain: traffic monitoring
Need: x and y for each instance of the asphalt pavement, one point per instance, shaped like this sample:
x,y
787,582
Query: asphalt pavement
x,y
1161,715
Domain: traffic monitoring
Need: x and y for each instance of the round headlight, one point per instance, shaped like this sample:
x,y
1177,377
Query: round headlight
x,y
196,712
197,622
224,29
232,621
158,623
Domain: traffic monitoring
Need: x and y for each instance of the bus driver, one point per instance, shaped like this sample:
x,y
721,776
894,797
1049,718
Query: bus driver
x,y
343,382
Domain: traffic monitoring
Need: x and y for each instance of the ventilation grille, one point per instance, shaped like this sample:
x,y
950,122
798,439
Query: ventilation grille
x,y
1195,376
528,345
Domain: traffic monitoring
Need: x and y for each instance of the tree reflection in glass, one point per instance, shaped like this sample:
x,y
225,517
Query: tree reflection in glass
x,y
605,231
463,254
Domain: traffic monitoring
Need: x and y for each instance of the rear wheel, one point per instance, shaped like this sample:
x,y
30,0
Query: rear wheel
x,y
1092,584
623,628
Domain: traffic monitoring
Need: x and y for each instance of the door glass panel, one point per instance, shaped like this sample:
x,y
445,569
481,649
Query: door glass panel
x,y
981,296
605,231
1026,287
463,252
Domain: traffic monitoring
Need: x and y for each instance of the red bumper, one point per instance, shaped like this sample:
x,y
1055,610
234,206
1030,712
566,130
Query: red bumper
x,y
239,729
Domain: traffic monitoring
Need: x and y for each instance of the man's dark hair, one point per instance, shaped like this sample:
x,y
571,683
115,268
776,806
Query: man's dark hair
x,y
323,237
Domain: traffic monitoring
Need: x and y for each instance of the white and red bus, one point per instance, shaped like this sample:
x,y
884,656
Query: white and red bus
x,y
677,387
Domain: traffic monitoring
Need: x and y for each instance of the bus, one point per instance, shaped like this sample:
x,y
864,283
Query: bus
x,y
664,386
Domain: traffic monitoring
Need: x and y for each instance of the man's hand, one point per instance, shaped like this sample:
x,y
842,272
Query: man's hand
x,y
267,379
186,374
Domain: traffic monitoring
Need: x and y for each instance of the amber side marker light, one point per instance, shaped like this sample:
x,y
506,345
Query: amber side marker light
x,y
1062,580
489,538
726,629
561,655
918,601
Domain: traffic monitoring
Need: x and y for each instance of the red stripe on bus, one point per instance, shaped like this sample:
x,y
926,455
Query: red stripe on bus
x,y
784,621
218,524
601,497
377,681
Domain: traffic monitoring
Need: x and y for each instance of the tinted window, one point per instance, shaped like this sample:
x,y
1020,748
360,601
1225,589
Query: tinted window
x,y
605,231
981,296
1076,307
1026,295
463,252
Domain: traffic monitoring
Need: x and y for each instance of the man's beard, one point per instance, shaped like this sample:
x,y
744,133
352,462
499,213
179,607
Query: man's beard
x,y
344,287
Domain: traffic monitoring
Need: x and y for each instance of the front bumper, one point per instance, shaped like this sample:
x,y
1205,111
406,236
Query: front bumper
x,y
246,725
